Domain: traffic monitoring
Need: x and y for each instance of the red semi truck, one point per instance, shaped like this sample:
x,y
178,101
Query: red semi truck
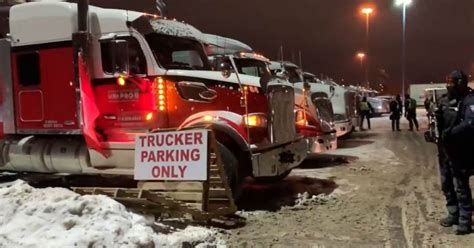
x,y
313,112
79,83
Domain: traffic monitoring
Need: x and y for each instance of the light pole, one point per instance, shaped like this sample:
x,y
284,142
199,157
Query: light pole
x,y
361,56
367,12
404,4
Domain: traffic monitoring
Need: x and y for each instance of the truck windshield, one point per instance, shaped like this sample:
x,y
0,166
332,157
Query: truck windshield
x,y
310,79
177,52
252,67
294,74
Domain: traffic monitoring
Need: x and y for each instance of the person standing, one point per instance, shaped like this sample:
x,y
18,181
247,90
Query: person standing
x,y
365,111
428,103
458,139
410,112
446,117
396,113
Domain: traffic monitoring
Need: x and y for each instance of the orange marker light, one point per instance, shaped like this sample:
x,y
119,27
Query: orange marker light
x,y
121,81
149,116
252,121
161,93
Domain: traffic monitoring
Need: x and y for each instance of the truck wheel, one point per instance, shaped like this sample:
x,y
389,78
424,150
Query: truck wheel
x,y
274,179
231,167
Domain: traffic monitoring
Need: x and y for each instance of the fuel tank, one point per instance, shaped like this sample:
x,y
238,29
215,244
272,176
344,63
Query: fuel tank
x,y
44,154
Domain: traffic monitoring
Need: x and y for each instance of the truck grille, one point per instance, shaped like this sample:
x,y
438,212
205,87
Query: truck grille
x,y
281,99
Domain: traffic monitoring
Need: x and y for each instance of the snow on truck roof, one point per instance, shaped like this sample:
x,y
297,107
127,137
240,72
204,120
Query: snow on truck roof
x,y
274,65
176,28
309,74
218,45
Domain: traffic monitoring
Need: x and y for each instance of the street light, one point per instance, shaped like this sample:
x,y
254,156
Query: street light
x,y
361,56
367,11
404,4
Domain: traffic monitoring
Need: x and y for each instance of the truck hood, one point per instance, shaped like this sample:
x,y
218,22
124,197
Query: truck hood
x,y
216,76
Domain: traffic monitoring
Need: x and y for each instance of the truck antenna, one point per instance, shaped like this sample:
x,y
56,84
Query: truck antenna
x,y
281,55
162,8
301,61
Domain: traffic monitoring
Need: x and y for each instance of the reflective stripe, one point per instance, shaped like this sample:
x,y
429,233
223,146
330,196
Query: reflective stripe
x,y
364,106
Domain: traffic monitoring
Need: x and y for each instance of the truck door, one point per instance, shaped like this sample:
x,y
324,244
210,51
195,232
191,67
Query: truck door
x,y
44,91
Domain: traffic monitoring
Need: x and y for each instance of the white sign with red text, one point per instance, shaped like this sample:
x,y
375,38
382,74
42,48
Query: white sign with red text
x,y
177,156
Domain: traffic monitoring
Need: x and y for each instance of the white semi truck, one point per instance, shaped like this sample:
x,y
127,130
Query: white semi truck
x,y
417,91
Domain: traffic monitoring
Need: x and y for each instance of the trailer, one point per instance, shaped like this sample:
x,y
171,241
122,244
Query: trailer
x,y
417,91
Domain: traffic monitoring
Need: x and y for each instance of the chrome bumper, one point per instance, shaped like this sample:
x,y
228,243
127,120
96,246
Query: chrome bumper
x,y
343,127
268,163
322,144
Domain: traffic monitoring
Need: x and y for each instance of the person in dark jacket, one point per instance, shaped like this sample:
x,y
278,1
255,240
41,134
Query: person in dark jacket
x,y
365,111
410,112
445,117
458,141
396,112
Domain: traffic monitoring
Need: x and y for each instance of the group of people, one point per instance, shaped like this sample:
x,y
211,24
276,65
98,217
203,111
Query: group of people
x,y
455,123
396,112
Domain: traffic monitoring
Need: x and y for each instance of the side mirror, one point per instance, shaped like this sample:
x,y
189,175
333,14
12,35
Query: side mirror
x,y
224,66
332,91
282,74
226,69
119,57
264,80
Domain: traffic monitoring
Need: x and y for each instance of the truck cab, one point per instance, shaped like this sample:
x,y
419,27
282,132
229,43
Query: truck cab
x,y
344,102
314,109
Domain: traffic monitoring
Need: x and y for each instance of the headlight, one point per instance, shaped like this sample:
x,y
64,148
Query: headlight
x,y
255,120
301,119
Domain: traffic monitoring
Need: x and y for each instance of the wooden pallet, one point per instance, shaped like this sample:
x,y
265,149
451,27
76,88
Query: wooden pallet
x,y
202,201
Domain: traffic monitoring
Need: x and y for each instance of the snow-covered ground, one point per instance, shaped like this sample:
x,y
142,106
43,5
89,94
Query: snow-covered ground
x,y
57,217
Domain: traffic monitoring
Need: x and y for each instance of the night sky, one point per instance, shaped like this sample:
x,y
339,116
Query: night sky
x,y
329,33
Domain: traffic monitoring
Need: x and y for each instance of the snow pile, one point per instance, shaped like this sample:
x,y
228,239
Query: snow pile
x,y
305,199
56,217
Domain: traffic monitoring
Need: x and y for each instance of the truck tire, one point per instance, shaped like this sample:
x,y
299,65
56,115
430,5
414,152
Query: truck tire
x,y
231,168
